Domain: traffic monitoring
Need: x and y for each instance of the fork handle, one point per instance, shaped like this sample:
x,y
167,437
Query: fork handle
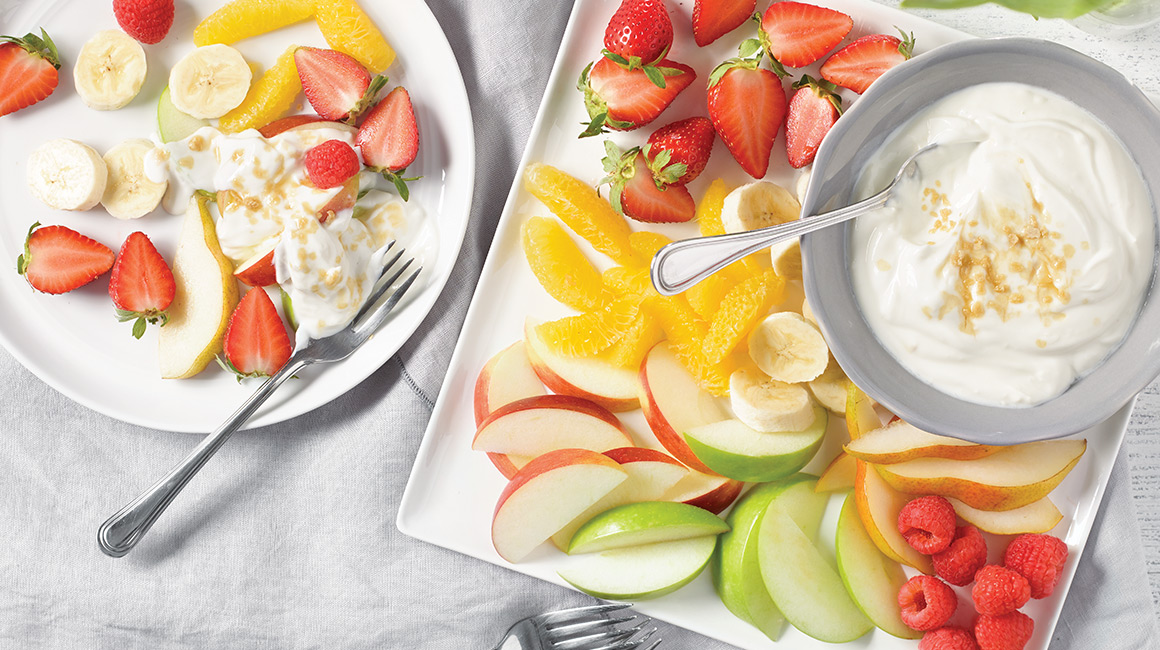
x,y
121,532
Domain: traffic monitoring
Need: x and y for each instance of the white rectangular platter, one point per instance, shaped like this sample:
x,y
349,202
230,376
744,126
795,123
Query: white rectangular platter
x,y
452,490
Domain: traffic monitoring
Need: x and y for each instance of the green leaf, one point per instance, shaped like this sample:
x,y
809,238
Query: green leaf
x,y
615,58
1038,8
654,75
138,328
749,47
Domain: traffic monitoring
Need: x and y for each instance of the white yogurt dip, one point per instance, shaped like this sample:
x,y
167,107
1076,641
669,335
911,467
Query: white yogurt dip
x,y
328,248
1013,264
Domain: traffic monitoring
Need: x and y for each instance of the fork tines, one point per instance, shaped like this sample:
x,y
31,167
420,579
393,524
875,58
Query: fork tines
x,y
590,628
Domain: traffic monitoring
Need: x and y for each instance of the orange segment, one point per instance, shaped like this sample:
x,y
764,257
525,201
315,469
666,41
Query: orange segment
x,y
705,297
270,97
686,333
347,28
561,267
242,19
583,210
645,244
743,307
588,333
641,336
629,282
709,209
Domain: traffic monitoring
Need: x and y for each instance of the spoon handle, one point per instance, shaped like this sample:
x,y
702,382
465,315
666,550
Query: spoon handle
x,y
121,532
682,264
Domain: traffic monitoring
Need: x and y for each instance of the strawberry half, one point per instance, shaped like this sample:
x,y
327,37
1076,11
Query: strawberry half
x,y
713,19
637,195
28,70
677,153
256,343
796,34
623,100
389,139
812,112
747,107
142,286
638,36
338,87
57,259
860,63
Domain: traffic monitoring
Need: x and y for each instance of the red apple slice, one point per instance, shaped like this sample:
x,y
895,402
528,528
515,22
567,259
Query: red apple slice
x,y
537,425
673,403
592,379
548,493
709,491
505,378
258,271
345,198
651,474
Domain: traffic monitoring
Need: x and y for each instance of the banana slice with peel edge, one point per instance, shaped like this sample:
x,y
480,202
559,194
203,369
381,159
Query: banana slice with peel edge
x,y
768,405
788,348
67,175
129,194
210,81
109,70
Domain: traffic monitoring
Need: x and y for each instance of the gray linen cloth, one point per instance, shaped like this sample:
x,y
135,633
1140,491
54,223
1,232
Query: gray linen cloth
x,y
287,538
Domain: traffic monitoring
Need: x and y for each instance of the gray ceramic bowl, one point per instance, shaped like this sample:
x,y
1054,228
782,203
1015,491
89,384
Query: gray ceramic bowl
x,y
890,102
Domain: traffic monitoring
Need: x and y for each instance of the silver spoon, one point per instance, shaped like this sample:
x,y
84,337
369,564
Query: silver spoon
x,y
682,264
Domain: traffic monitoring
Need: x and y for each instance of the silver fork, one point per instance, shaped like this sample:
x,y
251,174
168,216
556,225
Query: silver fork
x,y
580,628
121,532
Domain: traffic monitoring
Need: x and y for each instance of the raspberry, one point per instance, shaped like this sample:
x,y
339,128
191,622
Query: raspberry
x,y
948,638
966,555
926,603
1040,559
331,163
928,524
148,21
999,590
1007,632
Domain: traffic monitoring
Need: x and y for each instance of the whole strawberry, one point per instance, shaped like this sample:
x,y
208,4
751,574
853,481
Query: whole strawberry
x,y
814,109
1007,632
636,194
999,590
1040,559
948,638
141,285
967,553
678,152
639,34
926,603
148,21
747,107
28,70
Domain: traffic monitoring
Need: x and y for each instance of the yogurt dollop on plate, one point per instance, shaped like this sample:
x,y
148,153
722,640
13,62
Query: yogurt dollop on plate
x,y
1017,259
329,244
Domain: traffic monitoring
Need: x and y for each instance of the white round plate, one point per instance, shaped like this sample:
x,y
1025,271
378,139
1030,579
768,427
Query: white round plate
x,y
73,341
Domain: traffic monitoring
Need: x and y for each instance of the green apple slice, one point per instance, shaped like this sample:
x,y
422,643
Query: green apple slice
x,y
732,449
872,579
801,582
735,571
640,572
646,522
172,124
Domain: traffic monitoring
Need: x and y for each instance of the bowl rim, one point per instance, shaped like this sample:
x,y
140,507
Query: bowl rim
x,y
1086,401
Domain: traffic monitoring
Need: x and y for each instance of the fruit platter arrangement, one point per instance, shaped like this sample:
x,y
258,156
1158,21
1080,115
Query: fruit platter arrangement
x,y
228,178
703,454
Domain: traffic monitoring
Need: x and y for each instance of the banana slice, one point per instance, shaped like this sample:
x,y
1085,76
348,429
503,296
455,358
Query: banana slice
x,y
109,70
808,312
830,388
758,205
210,81
787,260
768,405
67,175
788,348
130,194
801,184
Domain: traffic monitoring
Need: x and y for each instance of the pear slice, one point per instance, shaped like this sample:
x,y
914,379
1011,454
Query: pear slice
x,y
206,296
